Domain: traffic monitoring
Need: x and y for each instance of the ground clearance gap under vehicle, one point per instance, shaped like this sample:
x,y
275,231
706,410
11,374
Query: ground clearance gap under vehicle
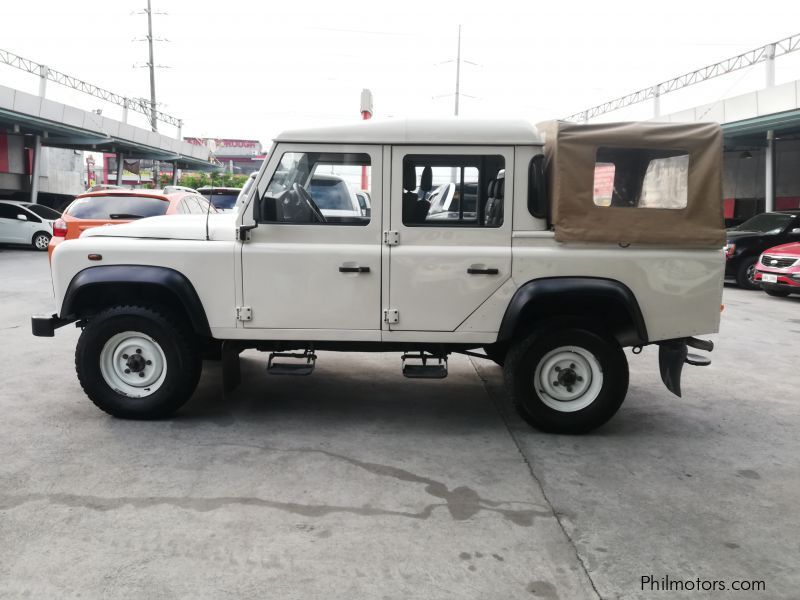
x,y
562,245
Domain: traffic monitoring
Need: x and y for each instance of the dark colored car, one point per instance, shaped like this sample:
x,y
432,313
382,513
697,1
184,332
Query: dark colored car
x,y
778,270
223,198
747,241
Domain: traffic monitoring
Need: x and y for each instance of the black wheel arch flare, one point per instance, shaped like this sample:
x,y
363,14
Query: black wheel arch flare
x,y
169,284
609,300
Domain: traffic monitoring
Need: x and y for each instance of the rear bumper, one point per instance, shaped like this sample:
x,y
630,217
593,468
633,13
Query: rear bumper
x,y
44,326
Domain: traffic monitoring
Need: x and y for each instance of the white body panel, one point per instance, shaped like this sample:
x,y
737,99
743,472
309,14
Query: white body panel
x,y
428,279
208,265
288,274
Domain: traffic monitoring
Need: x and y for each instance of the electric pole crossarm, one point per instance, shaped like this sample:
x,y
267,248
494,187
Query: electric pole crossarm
x,y
729,65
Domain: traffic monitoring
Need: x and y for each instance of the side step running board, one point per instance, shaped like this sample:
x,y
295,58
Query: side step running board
x,y
303,363
425,366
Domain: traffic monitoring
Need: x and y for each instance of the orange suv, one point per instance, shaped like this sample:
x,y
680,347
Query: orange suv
x,y
114,206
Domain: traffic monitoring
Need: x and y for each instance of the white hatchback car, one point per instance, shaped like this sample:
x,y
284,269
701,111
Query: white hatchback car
x,y
26,223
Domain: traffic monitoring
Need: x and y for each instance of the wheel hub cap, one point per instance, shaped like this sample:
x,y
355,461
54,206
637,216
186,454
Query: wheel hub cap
x,y
568,378
133,364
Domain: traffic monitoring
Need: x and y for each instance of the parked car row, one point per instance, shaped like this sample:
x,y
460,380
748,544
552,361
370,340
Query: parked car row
x,y
764,253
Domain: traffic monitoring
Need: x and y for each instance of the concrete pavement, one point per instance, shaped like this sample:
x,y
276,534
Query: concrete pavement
x,y
358,483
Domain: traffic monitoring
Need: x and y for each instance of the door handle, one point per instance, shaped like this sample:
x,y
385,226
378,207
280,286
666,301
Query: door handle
x,y
489,271
344,269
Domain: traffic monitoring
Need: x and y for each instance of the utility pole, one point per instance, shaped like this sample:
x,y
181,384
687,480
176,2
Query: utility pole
x,y
152,65
458,69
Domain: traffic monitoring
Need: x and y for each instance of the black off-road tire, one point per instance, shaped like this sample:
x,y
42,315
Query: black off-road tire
x,y
520,368
169,331
745,273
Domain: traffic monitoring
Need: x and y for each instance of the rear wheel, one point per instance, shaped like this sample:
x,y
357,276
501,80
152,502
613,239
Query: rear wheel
x,y
777,293
745,275
41,240
137,363
567,380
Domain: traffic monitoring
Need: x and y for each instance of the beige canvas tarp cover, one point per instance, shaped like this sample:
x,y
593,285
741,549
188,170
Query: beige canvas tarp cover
x,y
570,157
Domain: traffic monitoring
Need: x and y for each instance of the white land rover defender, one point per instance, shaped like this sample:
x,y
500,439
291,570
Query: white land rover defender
x,y
550,248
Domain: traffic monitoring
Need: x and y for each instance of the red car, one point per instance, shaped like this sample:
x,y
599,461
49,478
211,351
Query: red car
x,y
778,270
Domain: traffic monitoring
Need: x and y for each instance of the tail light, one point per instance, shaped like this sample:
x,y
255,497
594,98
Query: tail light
x,y
60,228
729,250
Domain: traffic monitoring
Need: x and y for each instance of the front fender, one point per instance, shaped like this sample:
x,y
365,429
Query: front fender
x,y
153,279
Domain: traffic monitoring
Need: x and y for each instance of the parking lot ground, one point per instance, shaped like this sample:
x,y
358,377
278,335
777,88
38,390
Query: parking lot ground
x,y
358,483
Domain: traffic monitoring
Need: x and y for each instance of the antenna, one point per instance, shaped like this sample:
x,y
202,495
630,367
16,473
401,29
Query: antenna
x,y
208,210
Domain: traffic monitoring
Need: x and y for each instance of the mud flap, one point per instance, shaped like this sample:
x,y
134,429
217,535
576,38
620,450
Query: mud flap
x,y
671,357
231,369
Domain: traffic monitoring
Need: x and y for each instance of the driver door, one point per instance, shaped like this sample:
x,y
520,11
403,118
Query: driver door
x,y
301,277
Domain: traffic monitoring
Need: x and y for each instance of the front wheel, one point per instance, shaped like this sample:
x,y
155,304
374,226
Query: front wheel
x,y
41,240
137,363
746,274
568,380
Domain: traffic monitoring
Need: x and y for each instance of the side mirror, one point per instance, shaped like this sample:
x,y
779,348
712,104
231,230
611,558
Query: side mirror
x,y
22,217
537,190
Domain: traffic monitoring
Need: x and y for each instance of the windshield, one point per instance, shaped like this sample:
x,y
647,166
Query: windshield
x,y
117,207
330,194
765,223
42,211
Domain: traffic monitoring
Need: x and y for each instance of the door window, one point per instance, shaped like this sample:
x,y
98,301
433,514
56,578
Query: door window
x,y
453,190
316,188
8,212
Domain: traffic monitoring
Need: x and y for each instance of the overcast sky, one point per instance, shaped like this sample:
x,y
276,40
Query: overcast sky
x,y
249,69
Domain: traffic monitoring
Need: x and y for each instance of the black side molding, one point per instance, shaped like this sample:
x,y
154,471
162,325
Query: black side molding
x,y
140,277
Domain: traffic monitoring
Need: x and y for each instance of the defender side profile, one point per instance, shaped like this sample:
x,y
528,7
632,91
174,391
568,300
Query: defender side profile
x,y
545,249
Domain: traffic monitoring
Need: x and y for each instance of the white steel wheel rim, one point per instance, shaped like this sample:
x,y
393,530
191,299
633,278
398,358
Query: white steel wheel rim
x,y
568,378
41,242
133,364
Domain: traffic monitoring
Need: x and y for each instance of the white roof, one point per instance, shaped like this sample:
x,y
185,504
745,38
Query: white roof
x,y
454,130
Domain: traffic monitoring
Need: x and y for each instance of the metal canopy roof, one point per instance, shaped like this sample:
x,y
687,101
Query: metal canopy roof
x,y
65,126
776,122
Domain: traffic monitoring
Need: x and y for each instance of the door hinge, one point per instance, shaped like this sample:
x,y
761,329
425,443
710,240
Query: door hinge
x,y
391,315
391,238
244,313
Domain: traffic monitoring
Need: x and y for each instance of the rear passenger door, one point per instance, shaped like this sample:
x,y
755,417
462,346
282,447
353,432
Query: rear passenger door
x,y
452,226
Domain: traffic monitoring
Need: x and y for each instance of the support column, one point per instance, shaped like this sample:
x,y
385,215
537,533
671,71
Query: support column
x,y
43,70
770,65
120,167
769,174
656,102
174,172
37,155
124,110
